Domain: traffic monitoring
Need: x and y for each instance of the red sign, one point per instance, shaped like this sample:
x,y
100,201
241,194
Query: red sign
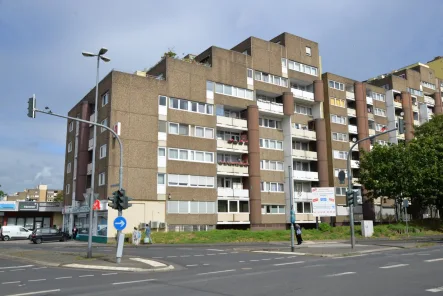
x,y
96,205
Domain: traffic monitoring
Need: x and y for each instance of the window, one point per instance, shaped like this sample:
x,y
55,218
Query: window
x,y
161,179
302,166
308,51
303,110
340,191
270,123
250,73
272,187
310,70
304,207
101,179
105,99
337,102
338,119
336,171
378,97
428,85
161,152
204,132
269,78
340,137
179,129
225,135
271,144
379,112
68,188
71,126
191,155
190,106
162,101
191,207
340,154
68,168
234,91
105,123
415,92
103,151
379,127
69,146
272,209
300,126
336,85
271,165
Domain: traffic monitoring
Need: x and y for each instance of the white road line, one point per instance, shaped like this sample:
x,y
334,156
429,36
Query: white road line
x,y
435,290
133,282
39,280
39,268
254,260
215,250
422,254
289,263
199,255
291,257
241,261
86,275
213,272
340,274
149,262
280,252
157,257
222,253
35,293
434,260
12,267
315,265
205,264
234,252
211,254
278,258
394,266
184,256
64,277
353,256
266,259
112,273
17,269
6,283
190,265
171,256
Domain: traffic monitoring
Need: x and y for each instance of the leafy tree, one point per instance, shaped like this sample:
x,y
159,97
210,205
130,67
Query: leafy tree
x,y
170,53
2,193
59,197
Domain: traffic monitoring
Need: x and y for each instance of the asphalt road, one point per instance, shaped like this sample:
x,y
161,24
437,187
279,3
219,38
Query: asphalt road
x,y
224,271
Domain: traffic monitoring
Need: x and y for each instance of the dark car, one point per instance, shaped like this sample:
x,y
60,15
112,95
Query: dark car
x,y
48,234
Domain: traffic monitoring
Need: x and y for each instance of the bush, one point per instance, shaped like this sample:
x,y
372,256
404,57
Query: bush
x,y
324,227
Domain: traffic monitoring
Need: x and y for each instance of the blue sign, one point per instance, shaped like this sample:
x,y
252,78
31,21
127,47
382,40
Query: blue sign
x,y
119,223
7,206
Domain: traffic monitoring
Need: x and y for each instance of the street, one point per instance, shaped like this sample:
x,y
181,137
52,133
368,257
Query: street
x,y
204,270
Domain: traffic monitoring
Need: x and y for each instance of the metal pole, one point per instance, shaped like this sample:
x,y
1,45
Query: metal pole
x,y
291,206
351,208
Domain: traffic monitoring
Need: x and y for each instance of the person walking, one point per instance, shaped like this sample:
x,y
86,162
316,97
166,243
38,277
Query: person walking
x,y
298,234
136,237
148,234
74,232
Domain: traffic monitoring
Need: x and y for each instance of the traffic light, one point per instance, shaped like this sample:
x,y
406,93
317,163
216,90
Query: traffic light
x,y
401,126
31,107
112,201
120,199
126,203
351,198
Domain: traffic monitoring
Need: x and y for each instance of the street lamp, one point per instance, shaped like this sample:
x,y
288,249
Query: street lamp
x,y
105,59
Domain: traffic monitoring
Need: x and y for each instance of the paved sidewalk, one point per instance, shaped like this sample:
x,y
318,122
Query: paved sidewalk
x,y
78,260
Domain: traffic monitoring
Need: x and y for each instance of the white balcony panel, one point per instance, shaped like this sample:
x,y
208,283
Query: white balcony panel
x,y
161,189
301,94
302,154
397,105
355,147
237,218
371,132
352,129
89,169
429,100
90,144
355,164
223,145
304,134
232,123
271,107
355,181
231,192
350,95
369,101
302,196
161,136
306,176
232,170
416,122
370,116
352,112
92,118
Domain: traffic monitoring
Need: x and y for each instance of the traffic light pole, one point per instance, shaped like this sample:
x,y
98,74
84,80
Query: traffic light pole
x,y
120,177
351,207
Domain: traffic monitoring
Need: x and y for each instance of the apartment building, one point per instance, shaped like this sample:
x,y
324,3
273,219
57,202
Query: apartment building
x,y
221,133
40,194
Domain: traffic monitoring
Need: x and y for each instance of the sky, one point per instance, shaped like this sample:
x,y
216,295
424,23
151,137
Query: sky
x,y
41,44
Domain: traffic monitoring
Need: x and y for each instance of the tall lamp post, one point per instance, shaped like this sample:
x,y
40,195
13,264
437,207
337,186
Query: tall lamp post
x,y
100,56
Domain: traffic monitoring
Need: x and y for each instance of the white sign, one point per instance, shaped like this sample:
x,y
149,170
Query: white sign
x,y
117,128
323,202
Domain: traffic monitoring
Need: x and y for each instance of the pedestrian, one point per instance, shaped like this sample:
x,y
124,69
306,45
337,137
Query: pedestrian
x,y
136,236
74,232
148,234
298,234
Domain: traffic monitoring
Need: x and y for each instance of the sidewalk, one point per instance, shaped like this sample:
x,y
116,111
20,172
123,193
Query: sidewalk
x,y
78,260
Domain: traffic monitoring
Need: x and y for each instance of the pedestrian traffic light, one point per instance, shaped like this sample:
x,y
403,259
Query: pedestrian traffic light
x,y
401,126
31,107
351,198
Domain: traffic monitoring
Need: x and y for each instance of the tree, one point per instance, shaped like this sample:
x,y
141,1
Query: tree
x,y
2,193
60,197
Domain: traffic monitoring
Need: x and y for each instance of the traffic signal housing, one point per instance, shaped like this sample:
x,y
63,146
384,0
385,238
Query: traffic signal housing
x,y
401,126
119,200
351,198
112,201
31,107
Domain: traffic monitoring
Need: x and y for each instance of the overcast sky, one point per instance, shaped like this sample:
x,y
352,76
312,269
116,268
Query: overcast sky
x,y
41,44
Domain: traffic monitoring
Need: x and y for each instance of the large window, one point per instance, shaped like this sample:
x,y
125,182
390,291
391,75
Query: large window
x,y
428,85
103,149
415,92
271,144
226,157
379,112
304,207
226,135
272,187
71,126
379,127
204,132
229,90
300,146
101,179
270,123
191,207
302,166
299,109
233,206
190,106
337,102
378,97
338,119
272,209
340,191
340,154
336,85
190,181
269,78
271,165
299,67
179,129
191,155
340,137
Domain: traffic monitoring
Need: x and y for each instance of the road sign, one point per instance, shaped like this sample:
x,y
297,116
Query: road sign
x,y
115,185
341,177
323,202
119,223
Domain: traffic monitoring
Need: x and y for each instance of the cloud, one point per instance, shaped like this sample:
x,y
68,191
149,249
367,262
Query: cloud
x,y
44,173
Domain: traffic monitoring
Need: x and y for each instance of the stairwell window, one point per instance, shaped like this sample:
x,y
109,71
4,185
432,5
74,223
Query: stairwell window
x,y
101,179
71,126
68,188
340,191
336,85
340,155
68,168
69,147
105,123
304,110
308,51
103,149
105,99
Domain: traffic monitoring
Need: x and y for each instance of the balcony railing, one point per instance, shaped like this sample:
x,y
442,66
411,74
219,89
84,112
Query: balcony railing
x,y
91,144
302,195
232,192
350,95
232,169
92,118
303,175
370,115
302,154
429,100
301,94
355,164
233,218
89,169
397,104
304,134
270,106
355,181
355,147
369,100
352,129
352,112
232,146
371,132
234,123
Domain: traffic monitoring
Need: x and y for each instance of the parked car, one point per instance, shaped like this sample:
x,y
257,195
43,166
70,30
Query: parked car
x,y
48,234
14,232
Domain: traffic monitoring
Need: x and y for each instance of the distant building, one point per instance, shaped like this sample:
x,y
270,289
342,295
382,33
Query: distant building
x,y
41,194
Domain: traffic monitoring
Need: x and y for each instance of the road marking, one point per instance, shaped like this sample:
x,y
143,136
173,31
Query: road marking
x,y
246,268
435,290
434,260
340,274
35,293
17,270
343,257
133,282
157,257
266,259
213,272
215,250
112,273
254,260
288,263
222,253
211,254
315,265
39,268
150,262
241,261
39,280
279,252
12,267
205,264
423,254
184,256
234,252
291,257
86,275
64,277
171,256
278,258
199,255
189,265
394,266
7,283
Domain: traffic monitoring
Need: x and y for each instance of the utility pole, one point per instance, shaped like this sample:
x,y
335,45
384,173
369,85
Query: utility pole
x,y
291,205
351,207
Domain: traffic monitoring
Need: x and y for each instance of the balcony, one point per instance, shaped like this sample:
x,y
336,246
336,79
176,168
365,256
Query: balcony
x,y
371,132
304,95
232,192
232,123
235,146
304,134
400,136
414,107
305,176
397,104
92,118
352,112
429,100
302,196
355,181
369,100
370,115
352,129
238,218
89,169
416,122
355,164
350,95
302,154
355,147
271,107
90,144
232,169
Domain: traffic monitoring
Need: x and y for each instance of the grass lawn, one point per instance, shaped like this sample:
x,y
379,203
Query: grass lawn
x,y
325,232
